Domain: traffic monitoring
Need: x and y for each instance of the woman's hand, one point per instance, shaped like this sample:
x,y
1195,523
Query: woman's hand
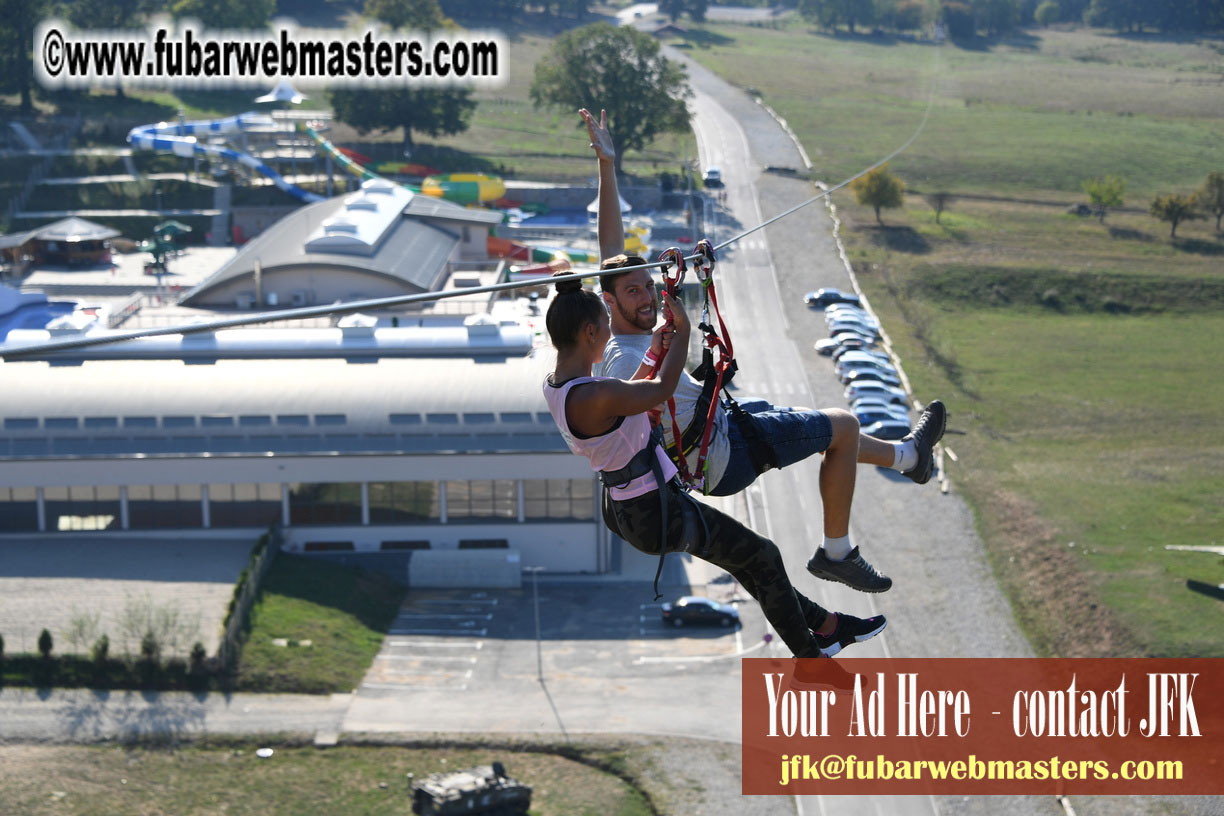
x,y
679,318
601,139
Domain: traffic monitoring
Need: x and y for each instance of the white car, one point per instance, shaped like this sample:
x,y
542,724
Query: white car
x,y
875,388
849,313
712,177
847,364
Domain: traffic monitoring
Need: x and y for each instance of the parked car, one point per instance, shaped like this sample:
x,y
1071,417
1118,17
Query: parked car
x,y
847,364
841,310
877,374
696,610
848,338
712,177
869,414
827,346
870,332
888,429
843,352
874,388
823,297
873,402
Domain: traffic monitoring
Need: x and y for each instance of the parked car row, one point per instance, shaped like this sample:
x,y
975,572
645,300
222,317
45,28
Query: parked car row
x,y
873,385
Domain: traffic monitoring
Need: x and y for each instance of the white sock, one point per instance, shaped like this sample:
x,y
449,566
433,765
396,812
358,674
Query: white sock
x,y
836,549
905,455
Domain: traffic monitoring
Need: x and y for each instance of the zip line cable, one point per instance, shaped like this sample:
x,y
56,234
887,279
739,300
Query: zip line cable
x,y
51,348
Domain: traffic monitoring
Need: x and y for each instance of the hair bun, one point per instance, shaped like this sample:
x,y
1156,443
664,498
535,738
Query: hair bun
x,y
566,286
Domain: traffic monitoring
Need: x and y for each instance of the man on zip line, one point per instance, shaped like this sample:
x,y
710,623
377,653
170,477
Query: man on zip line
x,y
757,436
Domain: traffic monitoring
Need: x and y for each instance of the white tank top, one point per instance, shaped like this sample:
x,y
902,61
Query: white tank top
x,y
613,449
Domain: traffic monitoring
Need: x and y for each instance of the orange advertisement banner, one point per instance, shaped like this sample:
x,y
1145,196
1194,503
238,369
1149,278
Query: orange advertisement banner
x,y
983,726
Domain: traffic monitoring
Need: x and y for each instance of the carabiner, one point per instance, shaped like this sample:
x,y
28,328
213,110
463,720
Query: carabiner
x,y
704,267
672,255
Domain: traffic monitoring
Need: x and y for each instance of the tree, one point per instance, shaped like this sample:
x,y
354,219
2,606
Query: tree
x,y
958,17
1104,192
223,14
422,14
879,189
432,111
939,202
107,15
1175,208
830,13
1047,13
17,21
621,71
997,16
1211,196
45,644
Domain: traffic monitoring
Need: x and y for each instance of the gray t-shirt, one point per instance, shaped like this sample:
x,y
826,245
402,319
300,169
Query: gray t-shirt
x,y
621,359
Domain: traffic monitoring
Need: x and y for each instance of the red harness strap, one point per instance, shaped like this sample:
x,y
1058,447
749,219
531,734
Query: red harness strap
x,y
723,366
672,278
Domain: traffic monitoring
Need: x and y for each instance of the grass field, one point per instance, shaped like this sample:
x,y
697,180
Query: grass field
x,y
343,612
229,778
1079,359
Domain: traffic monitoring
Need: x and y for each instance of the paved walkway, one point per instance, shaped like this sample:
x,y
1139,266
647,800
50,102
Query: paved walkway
x,y
114,586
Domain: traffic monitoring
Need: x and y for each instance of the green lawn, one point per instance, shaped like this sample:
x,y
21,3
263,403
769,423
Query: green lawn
x,y
1041,112
229,778
344,612
1079,360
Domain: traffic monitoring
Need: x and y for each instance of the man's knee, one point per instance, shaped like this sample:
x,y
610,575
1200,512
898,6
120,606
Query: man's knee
x,y
845,426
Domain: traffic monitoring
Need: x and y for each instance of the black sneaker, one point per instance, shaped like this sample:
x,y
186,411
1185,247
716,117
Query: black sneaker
x,y
849,630
853,572
928,430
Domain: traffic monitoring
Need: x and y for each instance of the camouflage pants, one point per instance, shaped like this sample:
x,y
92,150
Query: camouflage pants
x,y
752,559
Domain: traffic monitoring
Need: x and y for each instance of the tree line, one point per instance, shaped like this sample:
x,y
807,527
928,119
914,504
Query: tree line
x,y
964,19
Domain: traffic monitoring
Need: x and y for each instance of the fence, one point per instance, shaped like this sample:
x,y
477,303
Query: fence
x,y
245,591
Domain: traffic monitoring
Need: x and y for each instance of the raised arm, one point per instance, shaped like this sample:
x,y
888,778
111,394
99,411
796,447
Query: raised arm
x,y
611,227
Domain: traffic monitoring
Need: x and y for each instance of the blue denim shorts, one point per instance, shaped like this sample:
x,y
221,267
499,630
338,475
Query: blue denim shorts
x,y
794,436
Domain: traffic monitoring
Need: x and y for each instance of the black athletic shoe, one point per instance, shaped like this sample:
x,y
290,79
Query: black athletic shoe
x,y
928,430
849,630
853,572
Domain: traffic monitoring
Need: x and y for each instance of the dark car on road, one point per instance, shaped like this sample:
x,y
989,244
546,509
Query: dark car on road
x,y
693,610
822,298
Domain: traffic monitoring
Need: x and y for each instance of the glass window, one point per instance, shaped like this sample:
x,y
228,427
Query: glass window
x,y
244,505
558,499
82,508
18,509
60,423
325,503
404,502
20,423
163,507
482,500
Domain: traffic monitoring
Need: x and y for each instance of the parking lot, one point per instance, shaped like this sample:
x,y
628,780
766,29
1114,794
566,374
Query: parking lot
x,y
461,640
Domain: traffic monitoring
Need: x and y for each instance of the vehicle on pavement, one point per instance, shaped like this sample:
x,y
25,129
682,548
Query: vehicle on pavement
x,y
874,402
874,388
848,356
827,346
823,297
888,429
852,312
712,177
877,374
868,414
694,610
846,364
870,332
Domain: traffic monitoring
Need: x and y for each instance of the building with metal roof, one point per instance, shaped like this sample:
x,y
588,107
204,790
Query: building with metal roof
x,y
381,241
374,457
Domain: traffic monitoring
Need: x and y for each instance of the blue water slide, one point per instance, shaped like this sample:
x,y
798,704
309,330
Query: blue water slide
x,y
179,138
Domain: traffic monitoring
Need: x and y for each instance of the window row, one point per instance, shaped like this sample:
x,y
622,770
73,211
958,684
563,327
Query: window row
x,y
140,507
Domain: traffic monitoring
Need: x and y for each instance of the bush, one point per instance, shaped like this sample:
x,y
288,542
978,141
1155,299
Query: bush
x,y
1,647
198,657
150,648
1047,13
958,17
100,652
45,644
909,15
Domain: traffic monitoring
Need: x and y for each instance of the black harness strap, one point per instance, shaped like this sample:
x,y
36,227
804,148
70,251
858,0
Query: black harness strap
x,y
643,462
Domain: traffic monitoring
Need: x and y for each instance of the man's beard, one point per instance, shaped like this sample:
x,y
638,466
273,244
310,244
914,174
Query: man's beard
x,y
637,320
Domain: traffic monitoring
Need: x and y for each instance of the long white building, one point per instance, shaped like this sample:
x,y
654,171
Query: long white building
x,y
362,456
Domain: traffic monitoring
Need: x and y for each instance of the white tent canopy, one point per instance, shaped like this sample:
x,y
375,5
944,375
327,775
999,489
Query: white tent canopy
x,y
593,207
283,92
